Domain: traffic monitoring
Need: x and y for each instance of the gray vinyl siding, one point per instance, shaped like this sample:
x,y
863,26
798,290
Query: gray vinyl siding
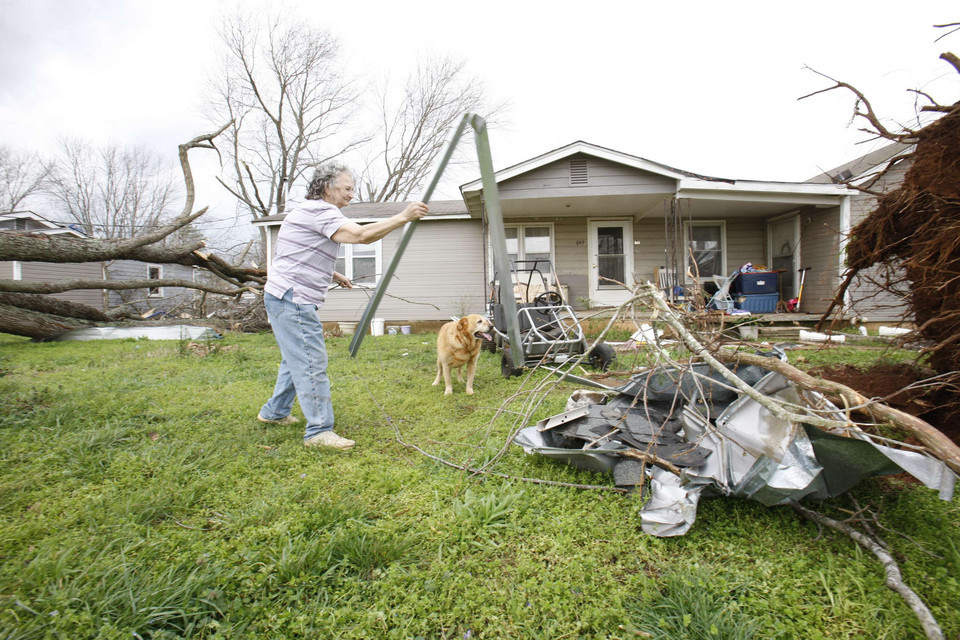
x,y
440,274
819,246
172,297
603,178
52,272
746,242
868,300
26,225
571,257
650,253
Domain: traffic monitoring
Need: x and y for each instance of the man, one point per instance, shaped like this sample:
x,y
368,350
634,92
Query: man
x,y
300,275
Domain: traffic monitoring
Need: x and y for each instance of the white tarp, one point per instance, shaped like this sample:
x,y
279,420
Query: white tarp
x,y
172,332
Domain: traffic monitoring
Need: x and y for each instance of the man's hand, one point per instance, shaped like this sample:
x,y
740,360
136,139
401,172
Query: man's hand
x,y
414,211
342,280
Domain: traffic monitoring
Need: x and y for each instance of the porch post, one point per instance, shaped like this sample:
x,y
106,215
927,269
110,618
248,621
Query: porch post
x,y
845,227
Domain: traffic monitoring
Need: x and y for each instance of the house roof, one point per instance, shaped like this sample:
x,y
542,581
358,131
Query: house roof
x,y
707,196
859,169
595,150
48,227
372,211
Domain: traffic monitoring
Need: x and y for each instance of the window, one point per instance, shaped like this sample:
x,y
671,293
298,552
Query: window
x,y
154,272
530,242
706,249
361,263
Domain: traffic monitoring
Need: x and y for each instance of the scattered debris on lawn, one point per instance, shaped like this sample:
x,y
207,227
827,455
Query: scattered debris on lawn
x,y
694,434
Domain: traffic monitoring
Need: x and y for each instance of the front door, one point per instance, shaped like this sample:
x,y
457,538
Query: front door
x,y
784,238
610,254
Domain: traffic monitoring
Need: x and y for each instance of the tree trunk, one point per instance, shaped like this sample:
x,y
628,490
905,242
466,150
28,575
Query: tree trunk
x,y
53,306
35,324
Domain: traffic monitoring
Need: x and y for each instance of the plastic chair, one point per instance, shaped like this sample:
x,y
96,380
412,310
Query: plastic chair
x,y
722,299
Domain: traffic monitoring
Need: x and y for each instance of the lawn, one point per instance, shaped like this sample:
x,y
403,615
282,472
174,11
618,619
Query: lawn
x,y
141,499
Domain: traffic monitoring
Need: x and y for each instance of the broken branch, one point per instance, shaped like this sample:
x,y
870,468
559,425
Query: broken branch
x,y
894,579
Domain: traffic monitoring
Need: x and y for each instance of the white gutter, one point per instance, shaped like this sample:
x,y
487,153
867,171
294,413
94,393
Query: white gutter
x,y
741,186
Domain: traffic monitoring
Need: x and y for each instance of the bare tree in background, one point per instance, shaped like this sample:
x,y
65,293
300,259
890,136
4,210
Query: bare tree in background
x,y
112,192
28,308
281,87
22,175
415,131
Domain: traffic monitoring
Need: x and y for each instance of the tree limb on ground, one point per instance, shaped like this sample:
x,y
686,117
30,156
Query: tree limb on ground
x,y
47,288
894,579
936,442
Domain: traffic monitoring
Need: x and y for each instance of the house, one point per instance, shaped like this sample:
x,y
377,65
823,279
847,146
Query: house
x,y
443,271
157,298
602,217
30,222
865,298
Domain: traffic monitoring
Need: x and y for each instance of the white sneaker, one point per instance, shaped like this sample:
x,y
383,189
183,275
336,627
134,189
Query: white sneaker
x,y
285,420
328,439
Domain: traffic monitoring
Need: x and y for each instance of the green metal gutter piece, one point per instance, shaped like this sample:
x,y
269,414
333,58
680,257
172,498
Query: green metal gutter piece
x,y
491,201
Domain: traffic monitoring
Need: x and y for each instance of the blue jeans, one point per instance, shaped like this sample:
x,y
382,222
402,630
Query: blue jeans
x,y
303,370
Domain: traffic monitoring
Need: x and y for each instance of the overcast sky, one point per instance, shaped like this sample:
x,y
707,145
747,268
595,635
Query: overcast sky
x,y
710,87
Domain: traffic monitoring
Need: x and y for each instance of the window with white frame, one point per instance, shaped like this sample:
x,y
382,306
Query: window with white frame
x,y
707,248
361,263
154,272
530,242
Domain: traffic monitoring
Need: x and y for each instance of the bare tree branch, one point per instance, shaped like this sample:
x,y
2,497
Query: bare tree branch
x,y
22,175
894,579
282,89
413,133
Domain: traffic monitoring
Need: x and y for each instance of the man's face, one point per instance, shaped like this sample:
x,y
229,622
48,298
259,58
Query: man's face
x,y
340,193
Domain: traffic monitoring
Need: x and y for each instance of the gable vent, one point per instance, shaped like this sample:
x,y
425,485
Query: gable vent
x,y
578,172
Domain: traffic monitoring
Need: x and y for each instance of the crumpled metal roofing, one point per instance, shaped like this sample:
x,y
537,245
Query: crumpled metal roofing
x,y
723,442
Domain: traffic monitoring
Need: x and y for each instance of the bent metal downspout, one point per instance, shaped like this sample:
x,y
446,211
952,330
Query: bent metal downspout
x,y
491,198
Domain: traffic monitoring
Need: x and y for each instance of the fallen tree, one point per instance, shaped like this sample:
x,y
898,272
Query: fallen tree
x,y
914,232
28,308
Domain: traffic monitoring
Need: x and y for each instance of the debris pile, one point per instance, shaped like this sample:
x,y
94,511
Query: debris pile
x,y
690,433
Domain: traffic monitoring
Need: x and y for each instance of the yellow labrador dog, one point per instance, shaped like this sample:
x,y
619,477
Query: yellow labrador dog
x,y
458,344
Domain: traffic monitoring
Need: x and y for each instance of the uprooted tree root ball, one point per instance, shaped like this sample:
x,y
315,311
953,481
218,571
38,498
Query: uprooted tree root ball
x,y
914,234
902,386
917,227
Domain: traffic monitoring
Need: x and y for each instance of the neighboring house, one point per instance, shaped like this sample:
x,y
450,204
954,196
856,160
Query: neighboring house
x,y
167,299
865,298
29,222
157,299
601,215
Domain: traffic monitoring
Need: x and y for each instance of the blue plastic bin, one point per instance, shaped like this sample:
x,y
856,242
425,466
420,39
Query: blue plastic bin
x,y
758,303
756,282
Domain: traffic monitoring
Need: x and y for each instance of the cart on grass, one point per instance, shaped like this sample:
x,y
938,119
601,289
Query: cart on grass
x,y
549,330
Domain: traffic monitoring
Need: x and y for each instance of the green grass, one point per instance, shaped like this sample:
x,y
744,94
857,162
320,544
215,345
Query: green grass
x,y
140,498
